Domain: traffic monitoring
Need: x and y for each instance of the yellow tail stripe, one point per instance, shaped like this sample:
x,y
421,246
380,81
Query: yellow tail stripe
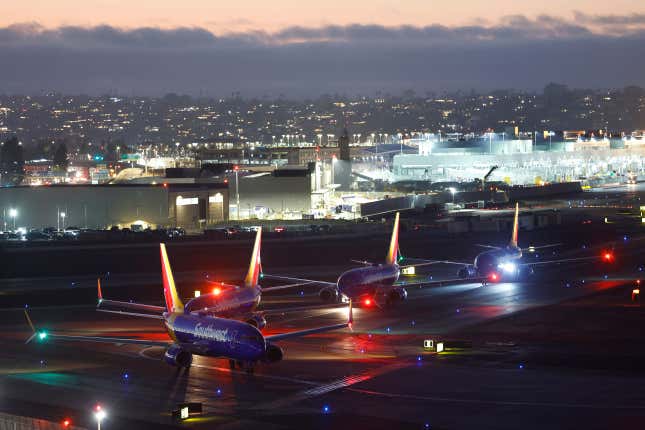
x,y
173,302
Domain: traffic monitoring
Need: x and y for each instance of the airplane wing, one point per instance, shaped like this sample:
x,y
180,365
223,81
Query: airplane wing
x,y
282,311
132,314
362,262
442,282
294,334
44,335
223,285
130,305
564,260
300,282
422,262
533,248
487,246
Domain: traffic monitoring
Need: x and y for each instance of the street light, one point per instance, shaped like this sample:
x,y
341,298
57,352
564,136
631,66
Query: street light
x,y
99,415
13,213
237,192
452,191
62,216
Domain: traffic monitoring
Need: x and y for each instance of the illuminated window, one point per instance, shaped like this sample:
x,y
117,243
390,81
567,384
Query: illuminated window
x,y
185,202
217,198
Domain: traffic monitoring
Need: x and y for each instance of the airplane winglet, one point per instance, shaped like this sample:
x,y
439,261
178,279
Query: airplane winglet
x,y
100,293
31,325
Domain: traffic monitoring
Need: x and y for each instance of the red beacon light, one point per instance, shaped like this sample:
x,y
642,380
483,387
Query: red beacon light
x,y
493,277
608,256
66,423
367,302
217,291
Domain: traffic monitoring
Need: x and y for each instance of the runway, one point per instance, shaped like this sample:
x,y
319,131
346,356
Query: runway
x,y
375,376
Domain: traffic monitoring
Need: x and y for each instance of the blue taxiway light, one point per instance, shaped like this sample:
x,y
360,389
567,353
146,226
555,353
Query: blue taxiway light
x,y
126,376
521,366
218,391
325,409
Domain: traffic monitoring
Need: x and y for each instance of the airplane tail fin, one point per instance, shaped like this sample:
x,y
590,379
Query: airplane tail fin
x,y
100,293
393,252
173,302
516,226
255,266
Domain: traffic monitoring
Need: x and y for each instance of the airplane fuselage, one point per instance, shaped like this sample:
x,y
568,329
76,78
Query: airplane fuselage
x,y
235,303
497,261
366,281
216,337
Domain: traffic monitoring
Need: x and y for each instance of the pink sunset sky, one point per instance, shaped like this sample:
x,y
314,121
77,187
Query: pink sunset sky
x,y
222,17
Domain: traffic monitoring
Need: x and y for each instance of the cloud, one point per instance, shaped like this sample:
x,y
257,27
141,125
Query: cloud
x,y
517,52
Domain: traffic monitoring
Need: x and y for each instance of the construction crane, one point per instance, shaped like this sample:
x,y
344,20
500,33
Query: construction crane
x,y
487,175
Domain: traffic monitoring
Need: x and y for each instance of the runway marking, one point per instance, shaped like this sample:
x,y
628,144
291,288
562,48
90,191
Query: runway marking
x,y
345,382
496,402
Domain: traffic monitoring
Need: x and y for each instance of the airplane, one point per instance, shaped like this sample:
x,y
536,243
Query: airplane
x,y
503,263
225,300
374,283
194,334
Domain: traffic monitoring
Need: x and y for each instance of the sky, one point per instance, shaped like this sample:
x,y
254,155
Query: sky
x,y
304,48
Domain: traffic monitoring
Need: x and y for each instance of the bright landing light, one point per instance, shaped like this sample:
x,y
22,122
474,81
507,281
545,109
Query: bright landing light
x,y
508,267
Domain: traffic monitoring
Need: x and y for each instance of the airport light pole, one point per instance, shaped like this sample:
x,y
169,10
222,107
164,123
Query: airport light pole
x,y
237,192
452,191
99,415
13,213
62,216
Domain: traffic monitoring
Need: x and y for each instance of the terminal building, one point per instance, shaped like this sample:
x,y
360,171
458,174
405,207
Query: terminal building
x,y
191,206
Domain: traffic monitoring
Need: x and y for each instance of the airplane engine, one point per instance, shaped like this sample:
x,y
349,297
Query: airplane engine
x,y
467,272
389,296
398,295
273,353
178,357
329,294
257,321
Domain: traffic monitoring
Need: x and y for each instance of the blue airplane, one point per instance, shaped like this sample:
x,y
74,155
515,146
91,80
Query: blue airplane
x,y
194,334
504,263
374,283
224,300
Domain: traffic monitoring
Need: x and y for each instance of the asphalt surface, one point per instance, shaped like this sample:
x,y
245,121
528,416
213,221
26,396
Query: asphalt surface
x,y
374,376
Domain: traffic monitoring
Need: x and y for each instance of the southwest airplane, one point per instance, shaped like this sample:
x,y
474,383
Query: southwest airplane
x,y
225,301
503,263
195,334
373,283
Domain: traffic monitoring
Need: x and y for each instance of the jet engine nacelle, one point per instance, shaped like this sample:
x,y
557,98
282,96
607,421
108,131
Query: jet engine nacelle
x,y
273,353
329,294
177,356
389,296
257,321
468,271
